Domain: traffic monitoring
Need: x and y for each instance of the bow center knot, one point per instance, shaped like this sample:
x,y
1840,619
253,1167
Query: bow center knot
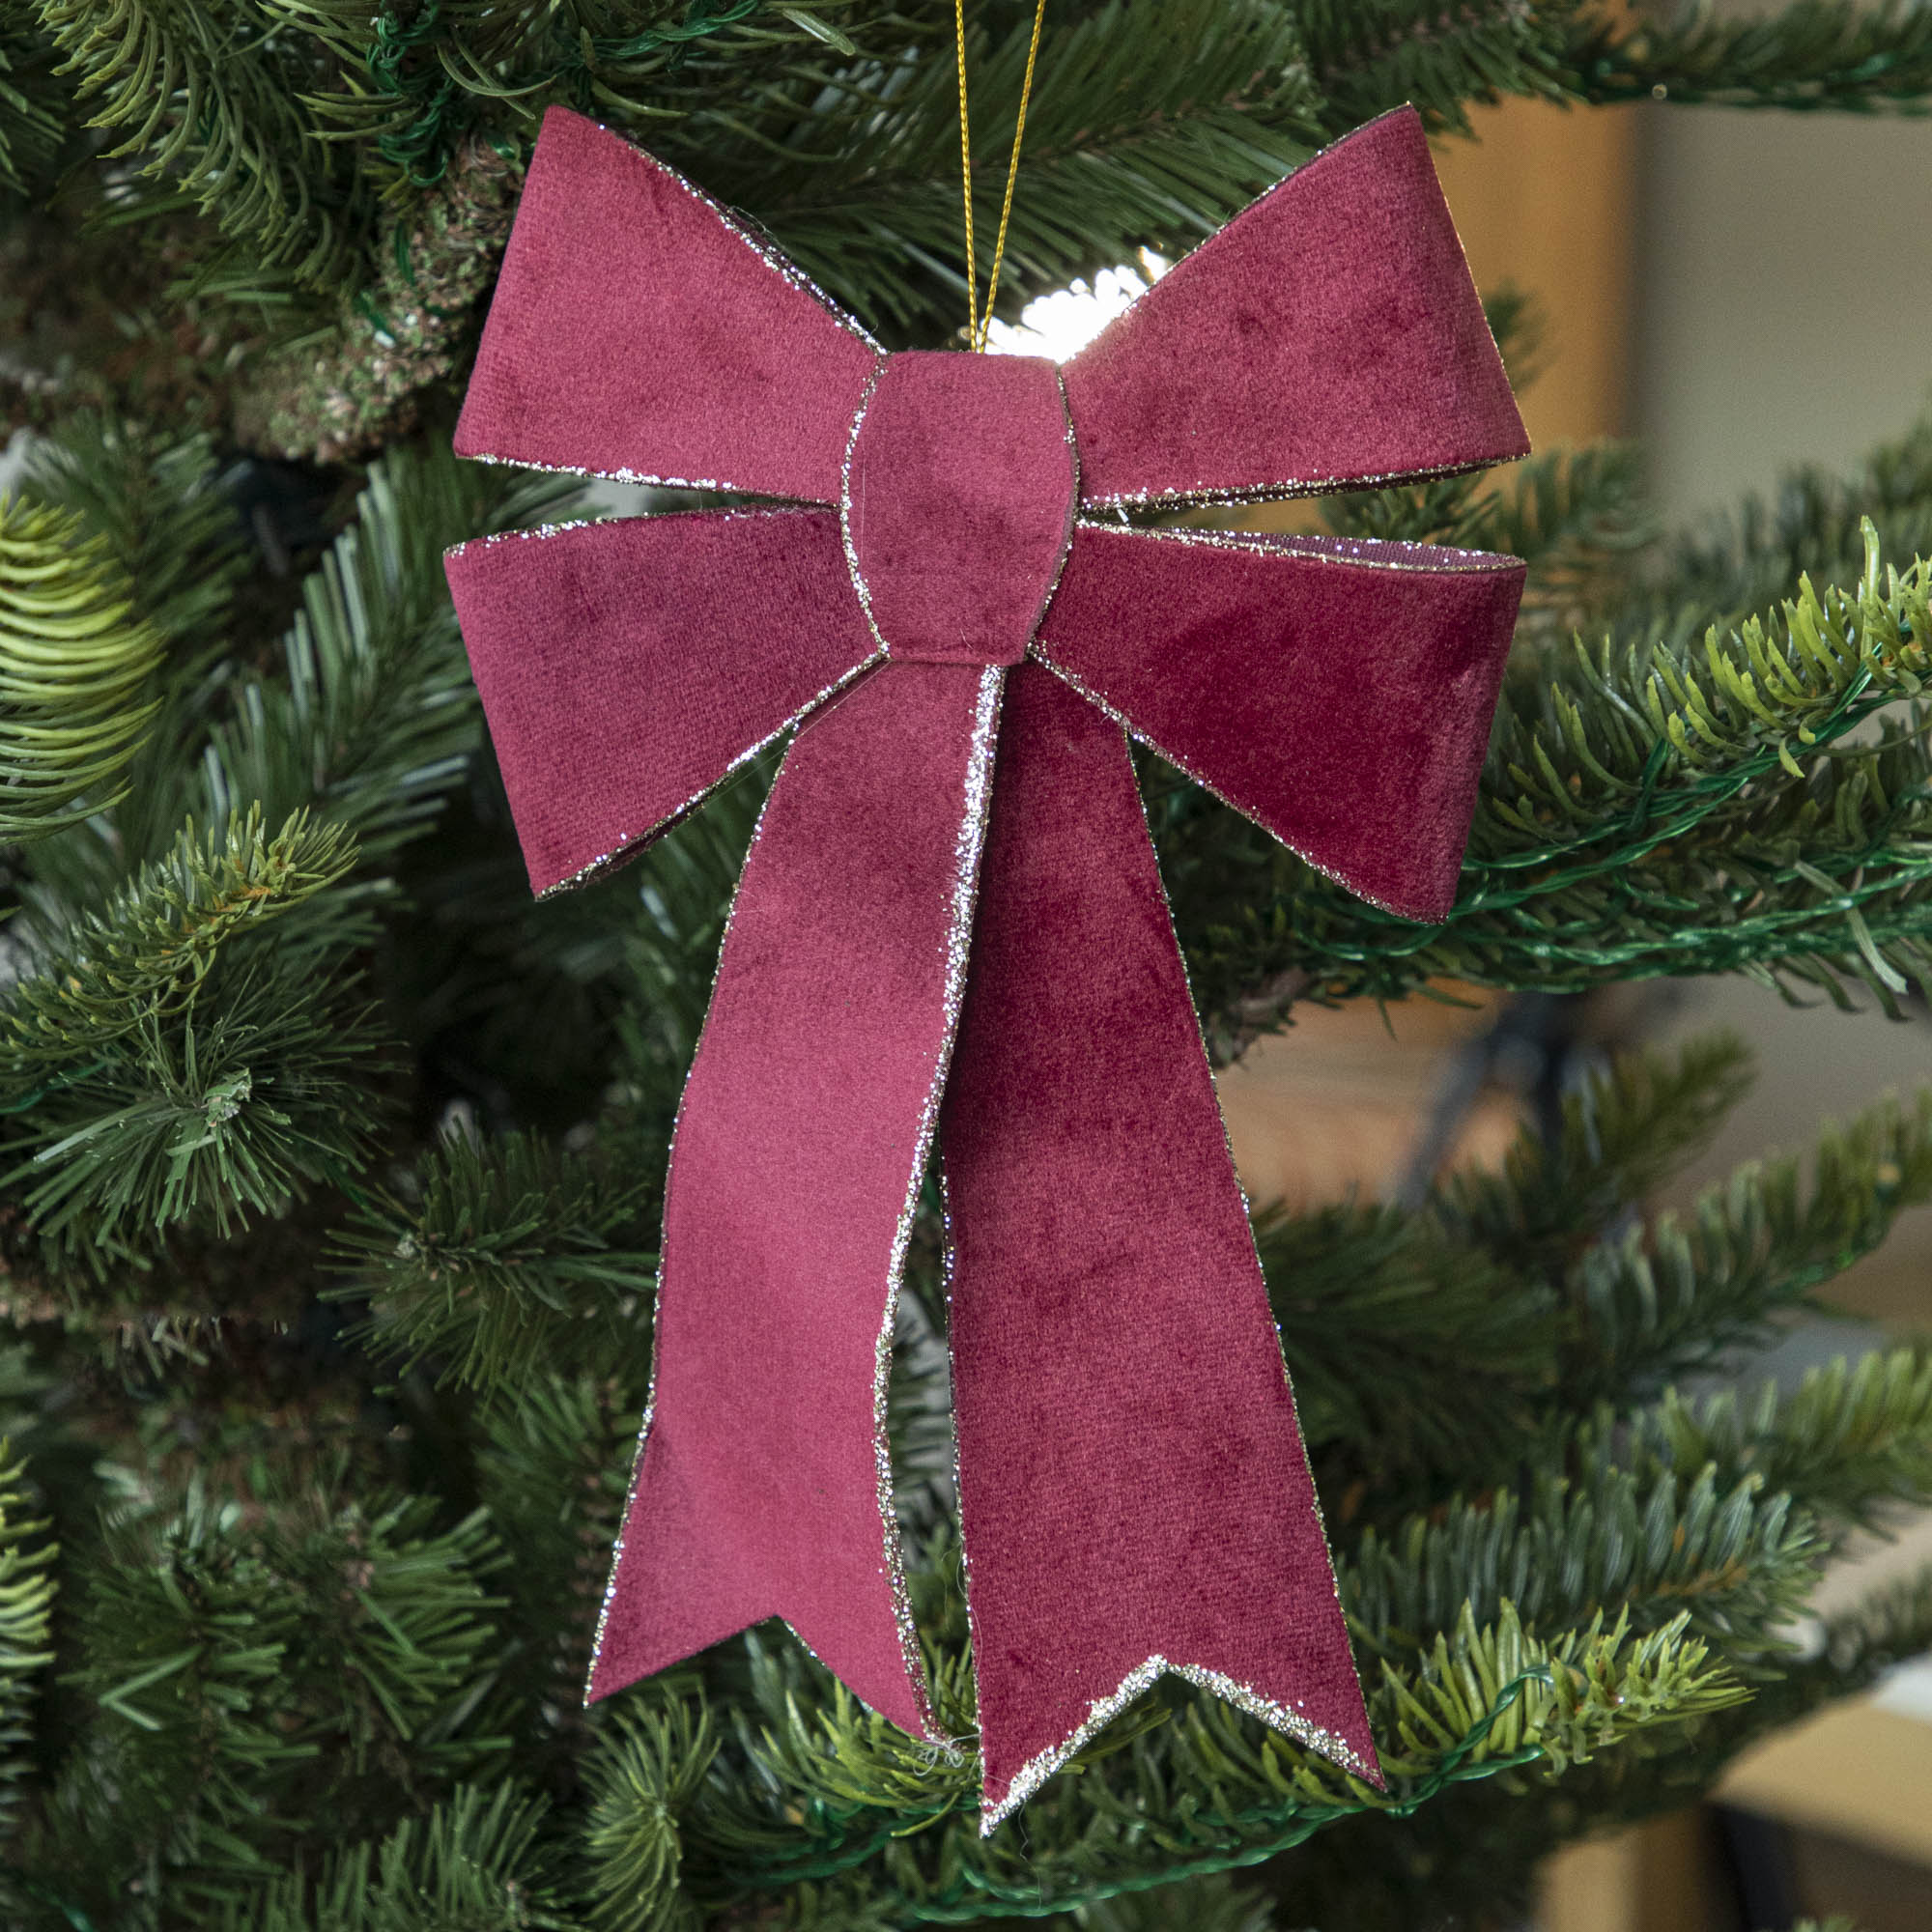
x,y
957,503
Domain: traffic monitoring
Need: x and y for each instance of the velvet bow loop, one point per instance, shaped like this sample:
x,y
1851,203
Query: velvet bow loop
x,y
639,332
1327,338
1336,692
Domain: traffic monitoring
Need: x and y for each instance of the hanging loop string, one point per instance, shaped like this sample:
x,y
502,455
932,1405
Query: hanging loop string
x,y
966,177
977,325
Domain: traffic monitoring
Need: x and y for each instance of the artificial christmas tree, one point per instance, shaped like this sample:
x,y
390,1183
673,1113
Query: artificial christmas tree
x,y
334,1171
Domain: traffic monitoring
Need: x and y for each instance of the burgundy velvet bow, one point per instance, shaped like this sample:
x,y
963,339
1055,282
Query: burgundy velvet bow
x,y
1134,1491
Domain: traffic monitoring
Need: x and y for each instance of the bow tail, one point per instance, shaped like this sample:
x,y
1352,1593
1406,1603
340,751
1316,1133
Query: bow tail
x,y
1134,1491
763,1485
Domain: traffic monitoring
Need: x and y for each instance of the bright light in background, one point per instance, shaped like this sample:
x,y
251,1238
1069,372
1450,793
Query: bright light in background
x,y
13,458
1062,324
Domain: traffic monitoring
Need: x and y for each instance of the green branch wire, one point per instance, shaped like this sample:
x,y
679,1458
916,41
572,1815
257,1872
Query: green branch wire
x,y
1248,1836
420,145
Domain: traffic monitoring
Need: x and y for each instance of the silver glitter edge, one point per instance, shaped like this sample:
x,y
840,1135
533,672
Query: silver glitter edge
x,y
1310,548
968,846
737,513
1192,495
1288,1719
657,1294
1141,1679
987,1818
621,474
1072,512
858,576
947,1258
521,531
780,263
1180,764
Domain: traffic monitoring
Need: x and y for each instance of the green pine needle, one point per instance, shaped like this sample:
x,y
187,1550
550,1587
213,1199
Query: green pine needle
x,y
1844,55
265,1681
374,716
26,1623
34,108
508,1255
472,1863
204,105
156,499
146,956
1853,1438
188,1057
75,662
1651,1547
832,1792
1673,1297
644,1771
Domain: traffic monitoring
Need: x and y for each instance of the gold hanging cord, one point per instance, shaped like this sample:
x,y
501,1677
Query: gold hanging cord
x,y
977,326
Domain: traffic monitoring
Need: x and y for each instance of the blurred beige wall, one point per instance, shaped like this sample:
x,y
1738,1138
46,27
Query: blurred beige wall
x,y
1784,292
1546,197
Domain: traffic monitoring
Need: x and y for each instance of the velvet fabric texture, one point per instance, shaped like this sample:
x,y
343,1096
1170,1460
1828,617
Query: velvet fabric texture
x,y
1363,750
1134,1494
637,333
1329,336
